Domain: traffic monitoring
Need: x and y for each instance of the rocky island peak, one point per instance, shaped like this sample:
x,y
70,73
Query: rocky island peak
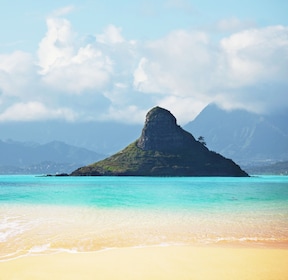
x,y
163,149
161,132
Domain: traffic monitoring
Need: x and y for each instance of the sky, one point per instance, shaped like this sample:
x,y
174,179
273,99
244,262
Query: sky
x,y
114,60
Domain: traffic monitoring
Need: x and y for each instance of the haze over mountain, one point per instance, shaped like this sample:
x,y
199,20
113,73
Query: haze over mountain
x,y
246,137
33,158
100,137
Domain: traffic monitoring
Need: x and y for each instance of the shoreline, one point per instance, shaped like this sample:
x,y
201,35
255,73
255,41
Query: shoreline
x,y
46,250
153,262
26,232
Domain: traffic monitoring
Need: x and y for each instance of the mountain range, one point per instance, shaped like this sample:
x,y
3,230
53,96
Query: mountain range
x,y
33,158
101,137
247,138
251,140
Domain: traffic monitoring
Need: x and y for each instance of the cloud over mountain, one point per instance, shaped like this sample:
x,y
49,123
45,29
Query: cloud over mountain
x,y
109,77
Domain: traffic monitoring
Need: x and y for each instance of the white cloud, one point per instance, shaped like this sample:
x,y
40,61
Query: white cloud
x,y
233,24
255,68
124,114
179,64
185,108
88,69
67,67
178,71
34,111
57,47
116,79
16,73
256,55
140,77
234,72
111,35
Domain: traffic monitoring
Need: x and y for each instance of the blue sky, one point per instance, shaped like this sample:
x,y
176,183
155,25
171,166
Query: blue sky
x,y
114,60
25,20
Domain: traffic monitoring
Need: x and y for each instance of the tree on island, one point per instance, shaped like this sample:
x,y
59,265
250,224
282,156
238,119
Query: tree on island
x,y
202,140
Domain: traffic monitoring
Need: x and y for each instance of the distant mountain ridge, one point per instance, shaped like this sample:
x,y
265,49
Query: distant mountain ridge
x,y
54,157
278,168
246,137
101,137
163,149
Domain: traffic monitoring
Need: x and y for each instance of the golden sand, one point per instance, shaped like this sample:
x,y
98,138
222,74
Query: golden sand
x,y
173,262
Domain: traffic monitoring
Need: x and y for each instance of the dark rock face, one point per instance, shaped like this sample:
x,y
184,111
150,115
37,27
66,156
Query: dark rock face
x,y
164,149
161,132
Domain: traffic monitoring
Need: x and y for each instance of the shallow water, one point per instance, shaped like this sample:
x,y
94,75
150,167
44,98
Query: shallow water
x,y
48,214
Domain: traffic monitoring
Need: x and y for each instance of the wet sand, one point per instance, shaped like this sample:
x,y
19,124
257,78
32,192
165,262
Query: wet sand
x,y
171,262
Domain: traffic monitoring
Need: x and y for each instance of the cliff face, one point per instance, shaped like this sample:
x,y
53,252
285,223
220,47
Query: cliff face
x,y
163,149
161,133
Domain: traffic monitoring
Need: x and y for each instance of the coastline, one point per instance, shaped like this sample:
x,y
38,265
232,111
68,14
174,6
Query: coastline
x,y
162,262
109,228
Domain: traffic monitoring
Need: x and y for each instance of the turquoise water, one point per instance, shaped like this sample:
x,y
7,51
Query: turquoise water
x,y
43,214
146,192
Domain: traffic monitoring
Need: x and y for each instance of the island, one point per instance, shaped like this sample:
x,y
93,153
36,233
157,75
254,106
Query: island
x,y
163,149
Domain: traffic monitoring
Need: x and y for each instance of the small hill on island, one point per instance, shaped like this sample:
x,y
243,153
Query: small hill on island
x,y
163,149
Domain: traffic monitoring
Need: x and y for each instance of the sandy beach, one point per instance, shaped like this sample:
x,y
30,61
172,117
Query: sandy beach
x,y
171,262
188,228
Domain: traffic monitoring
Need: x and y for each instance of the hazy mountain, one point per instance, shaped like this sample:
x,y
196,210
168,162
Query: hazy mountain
x,y
103,138
245,137
53,157
278,168
242,136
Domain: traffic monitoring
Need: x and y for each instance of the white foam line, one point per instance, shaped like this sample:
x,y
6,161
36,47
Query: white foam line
x,y
44,249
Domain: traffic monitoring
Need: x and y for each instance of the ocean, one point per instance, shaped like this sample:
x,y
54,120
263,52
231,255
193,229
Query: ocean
x,y
40,215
